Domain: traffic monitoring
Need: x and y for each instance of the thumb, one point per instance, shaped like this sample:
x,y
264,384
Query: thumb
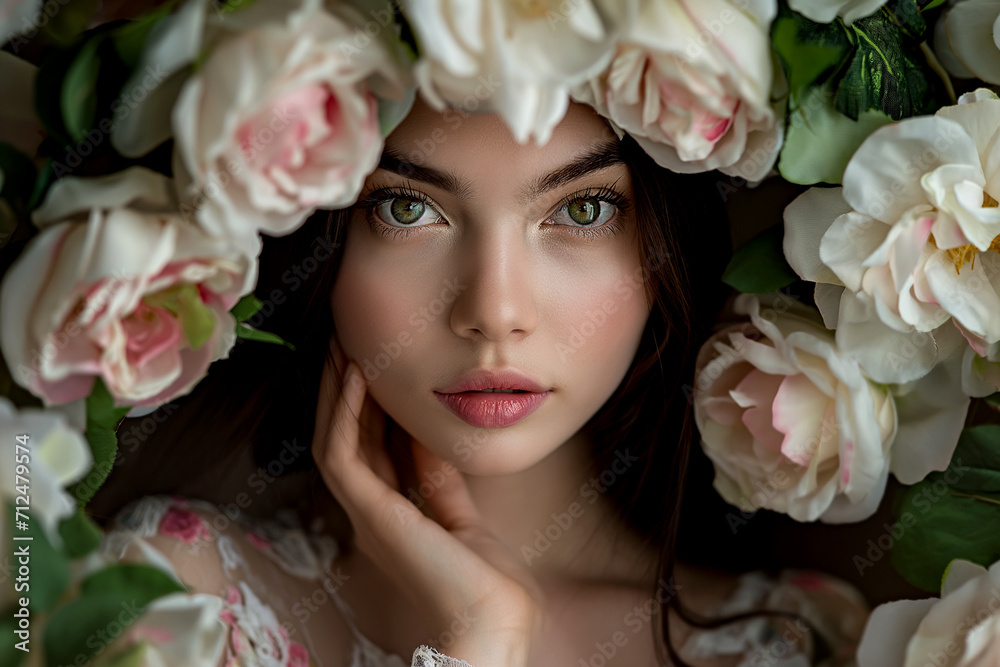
x,y
450,501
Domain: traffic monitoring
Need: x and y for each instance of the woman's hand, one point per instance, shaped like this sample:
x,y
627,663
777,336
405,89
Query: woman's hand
x,y
451,567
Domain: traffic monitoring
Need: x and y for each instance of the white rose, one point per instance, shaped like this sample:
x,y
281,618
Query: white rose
x,y
518,59
691,81
176,629
915,230
966,40
54,455
961,629
120,287
825,11
18,17
792,424
280,120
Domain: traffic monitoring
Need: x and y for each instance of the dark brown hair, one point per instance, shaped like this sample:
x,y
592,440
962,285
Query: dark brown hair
x,y
261,401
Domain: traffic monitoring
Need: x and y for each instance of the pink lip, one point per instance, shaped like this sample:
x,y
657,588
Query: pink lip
x,y
492,410
482,378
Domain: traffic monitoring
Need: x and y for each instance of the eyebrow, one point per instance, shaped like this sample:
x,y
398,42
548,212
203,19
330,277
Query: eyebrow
x,y
600,156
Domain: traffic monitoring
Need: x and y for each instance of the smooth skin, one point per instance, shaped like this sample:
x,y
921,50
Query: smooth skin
x,y
526,284
448,566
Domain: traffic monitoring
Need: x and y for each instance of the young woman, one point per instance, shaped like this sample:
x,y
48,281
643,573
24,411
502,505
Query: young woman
x,y
529,527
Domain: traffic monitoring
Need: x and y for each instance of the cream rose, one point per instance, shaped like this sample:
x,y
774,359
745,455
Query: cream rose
x,y
176,629
967,40
118,286
280,119
825,11
518,59
916,229
52,456
961,629
793,424
691,82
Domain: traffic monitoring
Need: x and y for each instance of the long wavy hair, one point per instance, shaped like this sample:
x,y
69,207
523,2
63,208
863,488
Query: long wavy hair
x,y
248,425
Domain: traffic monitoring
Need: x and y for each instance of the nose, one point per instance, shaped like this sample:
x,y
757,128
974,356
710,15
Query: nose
x,y
500,299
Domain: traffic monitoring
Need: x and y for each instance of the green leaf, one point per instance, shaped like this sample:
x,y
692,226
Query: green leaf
x,y
808,51
9,654
976,460
937,526
887,71
45,179
231,6
104,447
249,333
907,12
184,301
71,20
246,308
145,583
78,100
759,266
18,178
933,4
101,408
109,600
80,534
49,567
954,513
129,40
820,141
48,91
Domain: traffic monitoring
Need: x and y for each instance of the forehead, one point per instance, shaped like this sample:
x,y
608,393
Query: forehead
x,y
482,142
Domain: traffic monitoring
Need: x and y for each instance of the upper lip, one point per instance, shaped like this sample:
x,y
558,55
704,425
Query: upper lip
x,y
480,379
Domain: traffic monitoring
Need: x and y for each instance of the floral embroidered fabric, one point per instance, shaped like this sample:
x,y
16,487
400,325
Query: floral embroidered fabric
x,y
255,567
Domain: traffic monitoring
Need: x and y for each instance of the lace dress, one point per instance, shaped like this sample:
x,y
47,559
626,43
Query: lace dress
x,y
266,570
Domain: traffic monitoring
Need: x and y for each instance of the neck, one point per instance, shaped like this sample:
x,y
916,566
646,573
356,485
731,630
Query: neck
x,y
556,517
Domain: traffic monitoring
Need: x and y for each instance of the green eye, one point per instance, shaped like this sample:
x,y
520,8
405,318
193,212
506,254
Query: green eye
x,y
584,211
407,211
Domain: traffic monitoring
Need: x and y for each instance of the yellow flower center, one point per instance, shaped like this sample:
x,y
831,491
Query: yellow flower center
x,y
968,252
532,9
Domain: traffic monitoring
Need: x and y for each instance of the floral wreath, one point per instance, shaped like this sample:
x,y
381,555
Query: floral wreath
x,y
144,152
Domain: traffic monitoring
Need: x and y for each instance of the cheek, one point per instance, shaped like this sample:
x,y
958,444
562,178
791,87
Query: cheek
x,y
376,310
599,326
602,311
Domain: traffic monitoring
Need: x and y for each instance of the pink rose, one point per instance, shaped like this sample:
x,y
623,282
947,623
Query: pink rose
x,y
793,424
118,286
691,82
184,525
279,120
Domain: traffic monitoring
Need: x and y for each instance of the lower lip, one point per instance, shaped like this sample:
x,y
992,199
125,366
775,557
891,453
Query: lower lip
x,y
492,409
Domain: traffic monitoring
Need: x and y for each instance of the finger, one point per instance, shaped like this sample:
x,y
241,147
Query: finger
x,y
451,502
327,396
373,446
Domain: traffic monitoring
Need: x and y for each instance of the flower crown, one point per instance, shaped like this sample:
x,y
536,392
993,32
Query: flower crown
x,y
143,155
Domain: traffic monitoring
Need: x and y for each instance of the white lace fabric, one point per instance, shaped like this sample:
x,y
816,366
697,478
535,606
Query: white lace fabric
x,y
279,582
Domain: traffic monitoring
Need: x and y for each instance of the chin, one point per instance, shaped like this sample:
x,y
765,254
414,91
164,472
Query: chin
x,y
486,452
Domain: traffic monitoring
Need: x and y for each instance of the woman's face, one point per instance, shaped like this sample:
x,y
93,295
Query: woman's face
x,y
519,260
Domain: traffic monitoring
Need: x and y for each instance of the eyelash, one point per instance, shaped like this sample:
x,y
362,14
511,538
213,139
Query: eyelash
x,y
380,195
